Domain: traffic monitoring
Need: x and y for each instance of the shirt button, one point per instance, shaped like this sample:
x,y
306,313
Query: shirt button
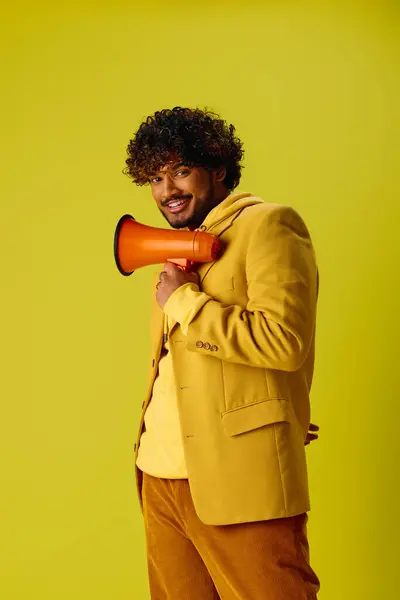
x,y
199,344
214,348
207,346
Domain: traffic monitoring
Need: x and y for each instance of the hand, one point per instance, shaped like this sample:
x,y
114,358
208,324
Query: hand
x,y
312,434
170,280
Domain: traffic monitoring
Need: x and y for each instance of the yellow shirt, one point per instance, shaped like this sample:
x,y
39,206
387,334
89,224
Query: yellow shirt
x,y
160,452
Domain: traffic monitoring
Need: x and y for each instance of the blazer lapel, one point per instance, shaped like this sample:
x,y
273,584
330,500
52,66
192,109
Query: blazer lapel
x,y
219,230
203,269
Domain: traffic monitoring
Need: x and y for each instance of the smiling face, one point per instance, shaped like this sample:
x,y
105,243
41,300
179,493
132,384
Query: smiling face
x,y
185,195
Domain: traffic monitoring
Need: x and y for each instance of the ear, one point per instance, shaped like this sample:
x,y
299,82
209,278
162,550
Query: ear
x,y
220,174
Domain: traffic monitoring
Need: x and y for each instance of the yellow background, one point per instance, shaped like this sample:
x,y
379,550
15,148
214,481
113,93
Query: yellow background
x,y
313,89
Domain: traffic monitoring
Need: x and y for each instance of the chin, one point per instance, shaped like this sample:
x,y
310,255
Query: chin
x,y
179,225
180,221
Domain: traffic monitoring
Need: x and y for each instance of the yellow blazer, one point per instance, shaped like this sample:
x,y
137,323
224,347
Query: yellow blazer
x,y
244,370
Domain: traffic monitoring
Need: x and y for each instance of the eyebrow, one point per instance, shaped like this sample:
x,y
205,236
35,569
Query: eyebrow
x,y
176,166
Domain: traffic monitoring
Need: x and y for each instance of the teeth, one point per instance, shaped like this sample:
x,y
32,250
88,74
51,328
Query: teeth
x,y
177,203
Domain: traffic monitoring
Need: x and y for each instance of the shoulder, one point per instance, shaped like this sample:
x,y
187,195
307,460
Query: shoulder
x,y
267,214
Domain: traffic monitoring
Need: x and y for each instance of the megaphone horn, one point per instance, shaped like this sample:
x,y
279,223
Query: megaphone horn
x,y
137,245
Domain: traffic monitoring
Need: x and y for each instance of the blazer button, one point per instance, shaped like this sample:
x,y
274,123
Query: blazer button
x,y
207,346
214,348
199,344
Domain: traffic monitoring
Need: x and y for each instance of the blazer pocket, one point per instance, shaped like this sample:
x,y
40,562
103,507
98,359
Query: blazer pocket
x,y
254,416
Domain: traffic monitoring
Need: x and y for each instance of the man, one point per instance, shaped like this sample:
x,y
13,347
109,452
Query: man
x,y
220,458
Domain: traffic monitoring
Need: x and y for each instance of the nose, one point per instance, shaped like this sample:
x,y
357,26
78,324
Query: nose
x,y
169,189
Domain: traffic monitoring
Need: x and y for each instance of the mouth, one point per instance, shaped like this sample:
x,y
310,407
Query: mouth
x,y
176,206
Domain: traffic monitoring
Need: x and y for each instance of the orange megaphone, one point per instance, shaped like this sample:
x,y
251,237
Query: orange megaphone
x,y
137,245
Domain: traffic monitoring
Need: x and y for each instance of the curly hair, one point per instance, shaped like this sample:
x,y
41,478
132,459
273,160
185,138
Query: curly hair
x,y
199,137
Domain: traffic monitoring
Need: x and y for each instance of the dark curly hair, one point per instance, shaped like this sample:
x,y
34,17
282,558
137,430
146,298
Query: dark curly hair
x,y
199,137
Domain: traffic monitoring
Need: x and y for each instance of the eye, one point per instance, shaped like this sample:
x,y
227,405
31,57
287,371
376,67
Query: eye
x,y
155,179
182,172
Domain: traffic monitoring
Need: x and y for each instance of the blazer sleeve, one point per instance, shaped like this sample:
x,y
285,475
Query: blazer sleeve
x,y
276,328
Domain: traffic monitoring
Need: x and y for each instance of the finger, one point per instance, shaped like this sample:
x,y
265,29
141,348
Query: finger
x,y
170,268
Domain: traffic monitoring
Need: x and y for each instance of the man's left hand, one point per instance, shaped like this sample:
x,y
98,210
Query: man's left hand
x,y
312,434
170,280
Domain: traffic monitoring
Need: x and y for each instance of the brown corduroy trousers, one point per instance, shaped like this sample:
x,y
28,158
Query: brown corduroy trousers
x,y
188,560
